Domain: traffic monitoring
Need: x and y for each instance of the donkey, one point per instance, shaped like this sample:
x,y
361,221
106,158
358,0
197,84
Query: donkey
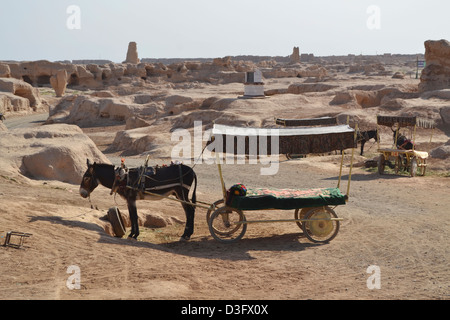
x,y
402,142
364,136
176,179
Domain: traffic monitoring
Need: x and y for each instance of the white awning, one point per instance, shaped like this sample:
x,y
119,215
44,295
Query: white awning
x,y
219,129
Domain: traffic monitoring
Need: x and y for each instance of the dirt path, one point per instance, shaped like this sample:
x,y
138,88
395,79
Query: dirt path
x,y
35,119
397,223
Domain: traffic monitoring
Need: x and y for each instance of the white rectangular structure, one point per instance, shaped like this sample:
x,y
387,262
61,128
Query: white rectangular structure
x,y
252,90
254,86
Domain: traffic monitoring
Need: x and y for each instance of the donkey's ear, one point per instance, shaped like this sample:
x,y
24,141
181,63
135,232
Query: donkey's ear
x,y
88,163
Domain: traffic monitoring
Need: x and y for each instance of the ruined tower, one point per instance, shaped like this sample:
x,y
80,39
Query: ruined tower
x,y
132,54
295,56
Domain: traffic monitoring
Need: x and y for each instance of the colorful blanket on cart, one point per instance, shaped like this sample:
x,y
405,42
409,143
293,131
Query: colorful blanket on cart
x,y
286,199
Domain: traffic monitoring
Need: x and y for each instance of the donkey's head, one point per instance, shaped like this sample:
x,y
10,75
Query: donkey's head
x,y
89,181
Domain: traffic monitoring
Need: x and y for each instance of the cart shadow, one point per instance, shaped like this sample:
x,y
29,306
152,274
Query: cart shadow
x,y
204,247
368,177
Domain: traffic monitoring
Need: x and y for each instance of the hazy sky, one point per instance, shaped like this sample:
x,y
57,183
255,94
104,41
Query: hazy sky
x,y
100,29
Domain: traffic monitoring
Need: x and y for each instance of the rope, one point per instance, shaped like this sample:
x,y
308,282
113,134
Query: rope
x,y
92,205
196,161
371,145
170,198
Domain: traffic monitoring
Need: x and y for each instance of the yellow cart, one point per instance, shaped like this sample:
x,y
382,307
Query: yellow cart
x,y
414,161
403,153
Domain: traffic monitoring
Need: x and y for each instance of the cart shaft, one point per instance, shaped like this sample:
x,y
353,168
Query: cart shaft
x,y
287,220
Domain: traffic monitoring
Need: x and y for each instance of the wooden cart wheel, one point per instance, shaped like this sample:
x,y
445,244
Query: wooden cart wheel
x,y
226,224
213,208
381,164
320,228
399,165
300,214
413,169
424,166
116,221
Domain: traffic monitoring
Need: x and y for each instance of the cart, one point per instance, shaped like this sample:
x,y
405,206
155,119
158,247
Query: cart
x,y
306,122
313,208
403,158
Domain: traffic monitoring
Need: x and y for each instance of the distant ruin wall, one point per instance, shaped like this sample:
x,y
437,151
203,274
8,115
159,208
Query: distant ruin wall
x,y
436,74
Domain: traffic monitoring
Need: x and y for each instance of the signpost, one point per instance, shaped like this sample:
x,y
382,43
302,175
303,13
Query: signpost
x,y
420,64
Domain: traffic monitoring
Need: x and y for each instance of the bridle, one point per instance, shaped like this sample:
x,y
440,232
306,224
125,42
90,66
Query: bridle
x,y
93,183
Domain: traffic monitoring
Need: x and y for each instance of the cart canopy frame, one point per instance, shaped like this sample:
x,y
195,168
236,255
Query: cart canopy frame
x,y
304,140
299,140
322,121
405,121
402,122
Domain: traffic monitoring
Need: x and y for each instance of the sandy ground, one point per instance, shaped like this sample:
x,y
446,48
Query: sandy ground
x,y
397,223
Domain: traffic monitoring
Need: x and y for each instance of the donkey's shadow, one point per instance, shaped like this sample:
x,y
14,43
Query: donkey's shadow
x,y
200,246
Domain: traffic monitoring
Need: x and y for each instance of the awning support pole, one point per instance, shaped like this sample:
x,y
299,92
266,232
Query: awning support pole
x,y
340,169
351,165
219,166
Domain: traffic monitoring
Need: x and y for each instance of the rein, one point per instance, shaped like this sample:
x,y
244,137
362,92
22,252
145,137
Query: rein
x,y
92,205
372,145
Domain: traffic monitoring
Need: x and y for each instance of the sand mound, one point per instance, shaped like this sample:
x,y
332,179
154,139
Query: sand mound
x,y
52,152
18,96
441,152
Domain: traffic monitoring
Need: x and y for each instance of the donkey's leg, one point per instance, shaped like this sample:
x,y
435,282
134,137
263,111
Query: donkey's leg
x,y
189,210
132,211
189,228
363,142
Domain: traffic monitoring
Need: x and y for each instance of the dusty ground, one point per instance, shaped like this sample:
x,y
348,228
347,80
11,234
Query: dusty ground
x,y
395,222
